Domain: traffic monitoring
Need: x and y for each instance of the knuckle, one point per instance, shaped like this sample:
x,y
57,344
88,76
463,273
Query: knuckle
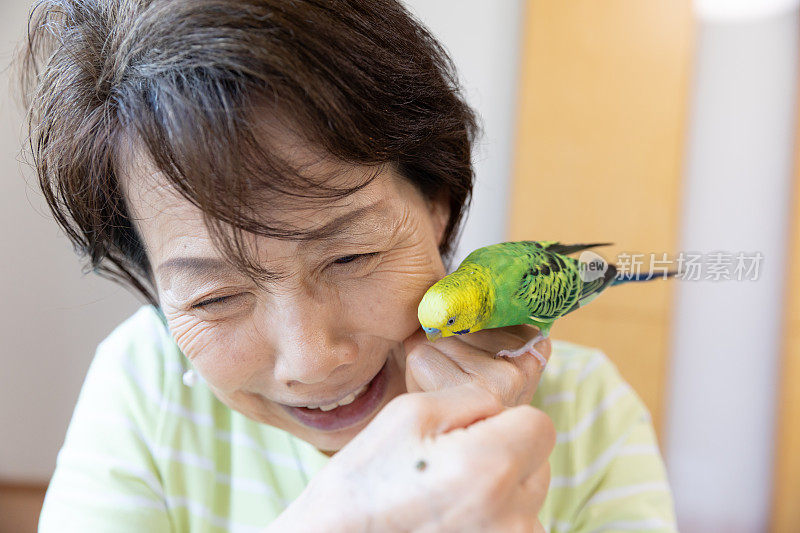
x,y
536,417
532,421
409,406
522,524
547,347
499,479
546,428
417,356
546,472
485,395
517,379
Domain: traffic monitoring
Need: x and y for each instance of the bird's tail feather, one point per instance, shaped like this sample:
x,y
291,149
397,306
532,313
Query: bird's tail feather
x,y
567,249
623,277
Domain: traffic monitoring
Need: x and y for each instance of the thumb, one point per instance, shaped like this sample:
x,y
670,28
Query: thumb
x,y
411,343
458,407
415,339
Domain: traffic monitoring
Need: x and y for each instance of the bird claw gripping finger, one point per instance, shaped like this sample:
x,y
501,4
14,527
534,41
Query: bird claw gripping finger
x,y
528,348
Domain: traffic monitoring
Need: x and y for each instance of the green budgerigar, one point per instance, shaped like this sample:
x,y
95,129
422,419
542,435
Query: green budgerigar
x,y
526,282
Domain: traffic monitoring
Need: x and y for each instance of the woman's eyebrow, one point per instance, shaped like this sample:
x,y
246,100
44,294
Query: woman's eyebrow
x,y
342,222
201,265
193,265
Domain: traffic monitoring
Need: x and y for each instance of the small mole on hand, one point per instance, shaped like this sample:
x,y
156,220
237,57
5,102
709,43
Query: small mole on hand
x,y
421,465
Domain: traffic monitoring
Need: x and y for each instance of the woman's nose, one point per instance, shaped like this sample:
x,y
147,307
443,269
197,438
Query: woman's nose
x,y
312,344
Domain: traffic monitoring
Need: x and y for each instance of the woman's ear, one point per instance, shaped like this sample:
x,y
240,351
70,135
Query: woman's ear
x,y
440,213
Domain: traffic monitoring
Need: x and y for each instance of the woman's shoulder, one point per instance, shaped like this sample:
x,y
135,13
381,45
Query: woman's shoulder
x,y
590,403
574,368
144,330
606,448
141,349
135,369
581,389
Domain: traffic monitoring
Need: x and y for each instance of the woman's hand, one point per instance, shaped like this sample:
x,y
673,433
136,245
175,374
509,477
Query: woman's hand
x,y
451,460
471,358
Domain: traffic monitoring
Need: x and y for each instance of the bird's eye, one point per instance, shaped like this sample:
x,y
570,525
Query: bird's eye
x,y
451,321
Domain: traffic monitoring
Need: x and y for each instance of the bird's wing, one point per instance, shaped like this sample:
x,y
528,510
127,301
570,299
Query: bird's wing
x,y
550,285
591,289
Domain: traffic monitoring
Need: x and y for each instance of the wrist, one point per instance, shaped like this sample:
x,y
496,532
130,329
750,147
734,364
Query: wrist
x,y
312,512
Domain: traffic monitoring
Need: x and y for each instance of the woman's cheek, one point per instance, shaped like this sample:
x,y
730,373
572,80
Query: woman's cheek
x,y
197,340
392,297
193,336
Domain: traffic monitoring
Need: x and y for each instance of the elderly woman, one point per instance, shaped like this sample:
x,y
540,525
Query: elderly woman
x,y
282,181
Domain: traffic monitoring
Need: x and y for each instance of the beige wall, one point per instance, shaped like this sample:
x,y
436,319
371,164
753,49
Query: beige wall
x,y
51,317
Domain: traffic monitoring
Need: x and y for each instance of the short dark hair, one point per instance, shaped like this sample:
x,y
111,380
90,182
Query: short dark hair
x,y
185,80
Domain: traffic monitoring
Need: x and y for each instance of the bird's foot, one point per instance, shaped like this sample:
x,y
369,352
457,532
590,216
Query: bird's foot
x,y
528,348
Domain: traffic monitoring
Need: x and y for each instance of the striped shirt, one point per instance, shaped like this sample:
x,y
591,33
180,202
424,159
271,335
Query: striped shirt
x,y
144,452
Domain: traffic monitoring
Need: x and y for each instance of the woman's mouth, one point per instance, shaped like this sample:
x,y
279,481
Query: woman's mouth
x,y
349,411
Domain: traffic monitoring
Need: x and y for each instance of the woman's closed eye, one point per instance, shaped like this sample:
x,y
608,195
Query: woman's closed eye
x,y
353,258
213,302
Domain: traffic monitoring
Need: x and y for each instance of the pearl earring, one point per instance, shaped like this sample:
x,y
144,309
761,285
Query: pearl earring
x,y
190,378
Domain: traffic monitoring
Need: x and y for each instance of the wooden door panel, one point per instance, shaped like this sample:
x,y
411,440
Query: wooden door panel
x,y
600,138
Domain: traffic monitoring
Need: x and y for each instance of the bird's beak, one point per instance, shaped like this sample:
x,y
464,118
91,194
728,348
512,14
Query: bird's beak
x,y
432,333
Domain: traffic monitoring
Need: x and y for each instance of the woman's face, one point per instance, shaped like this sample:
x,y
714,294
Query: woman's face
x,y
332,324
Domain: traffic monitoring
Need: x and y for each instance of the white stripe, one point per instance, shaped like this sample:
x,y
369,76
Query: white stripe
x,y
155,396
108,462
204,419
590,419
103,418
111,499
599,464
562,525
174,367
640,449
180,456
166,453
566,396
636,525
199,509
250,485
615,450
624,492
198,461
555,369
106,419
619,525
246,441
596,361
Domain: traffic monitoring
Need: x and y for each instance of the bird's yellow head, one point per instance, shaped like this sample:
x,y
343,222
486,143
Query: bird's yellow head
x,y
456,304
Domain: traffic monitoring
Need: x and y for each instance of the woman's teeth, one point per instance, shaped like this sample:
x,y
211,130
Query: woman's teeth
x,y
344,401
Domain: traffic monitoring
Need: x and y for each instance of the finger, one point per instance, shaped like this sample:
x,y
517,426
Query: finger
x,y
504,378
453,362
537,485
414,340
514,379
527,434
460,407
428,369
511,337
